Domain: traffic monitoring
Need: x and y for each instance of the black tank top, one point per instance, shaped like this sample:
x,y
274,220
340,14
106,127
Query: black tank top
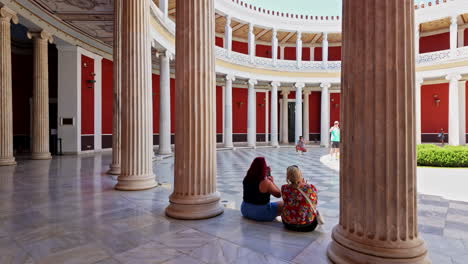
x,y
253,195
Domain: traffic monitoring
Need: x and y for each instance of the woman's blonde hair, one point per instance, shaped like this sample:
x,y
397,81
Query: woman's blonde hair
x,y
293,176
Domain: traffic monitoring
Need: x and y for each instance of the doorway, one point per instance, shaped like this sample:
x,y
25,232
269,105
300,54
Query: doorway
x,y
291,121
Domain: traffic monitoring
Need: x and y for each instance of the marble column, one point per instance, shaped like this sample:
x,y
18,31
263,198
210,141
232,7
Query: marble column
x,y
137,123
454,109
416,40
165,104
228,142
114,167
462,110
274,46
306,125
267,112
299,49
417,99
228,35
285,119
325,49
298,122
195,195
251,40
164,7
378,214
325,115
40,102
6,96
251,114
274,114
453,33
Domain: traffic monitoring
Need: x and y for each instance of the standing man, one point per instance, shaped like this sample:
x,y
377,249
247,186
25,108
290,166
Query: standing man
x,y
335,140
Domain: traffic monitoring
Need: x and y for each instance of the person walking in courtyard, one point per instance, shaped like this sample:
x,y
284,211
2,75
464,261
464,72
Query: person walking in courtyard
x,y
258,185
335,140
300,202
300,147
441,136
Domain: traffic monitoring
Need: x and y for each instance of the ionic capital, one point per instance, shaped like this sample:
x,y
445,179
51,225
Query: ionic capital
x,y
453,20
166,54
299,85
41,35
274,33
251,28
419,81
252,82
307,92
325,86
228,21
276,84
230,77
299,35
285,92
7,15
453,77
325,36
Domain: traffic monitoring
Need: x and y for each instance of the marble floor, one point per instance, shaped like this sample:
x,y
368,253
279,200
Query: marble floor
x,y
66,211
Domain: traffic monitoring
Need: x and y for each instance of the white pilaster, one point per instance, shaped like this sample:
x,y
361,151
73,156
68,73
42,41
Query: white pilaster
x,y
274,113
228,35
98,103
165,104
228,142
462,110
416,40
325,115
417,96
461,37
312,53
298,123
305,126
453,33
281,52
454,109
325,48
251,38
299,49
284,116
274,46
251,114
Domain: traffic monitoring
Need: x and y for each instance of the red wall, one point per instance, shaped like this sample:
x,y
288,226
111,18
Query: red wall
x,y
334,108
314,112
434,43
264,51
241,47
239,110
87,96
261,109
219,109
334,53
219,42
107,95
466,105
156,93
290,53
434,117
465,42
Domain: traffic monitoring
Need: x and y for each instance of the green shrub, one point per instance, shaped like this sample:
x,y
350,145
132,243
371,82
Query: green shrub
x,y
448,156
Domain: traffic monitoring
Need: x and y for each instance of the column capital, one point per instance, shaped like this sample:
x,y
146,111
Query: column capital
x,y
228,21
453,77
299,35
453,20
307,92
43,35
419,80
251,27
274,33
6,14
325,85
285,91
276,84
325,36
230,77
166,53
252,82
299,85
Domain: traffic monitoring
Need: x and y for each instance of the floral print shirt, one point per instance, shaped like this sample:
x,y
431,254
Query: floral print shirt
x,y
296,209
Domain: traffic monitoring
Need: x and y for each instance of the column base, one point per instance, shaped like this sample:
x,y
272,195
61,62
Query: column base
x,y
136,183
165,152
114,169
229,145
345,251
41,156
194,208
8,162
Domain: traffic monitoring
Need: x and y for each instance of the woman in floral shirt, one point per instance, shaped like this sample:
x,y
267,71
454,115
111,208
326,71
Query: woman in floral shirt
x,y
297,214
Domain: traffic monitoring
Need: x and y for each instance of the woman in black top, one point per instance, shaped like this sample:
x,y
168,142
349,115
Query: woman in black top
x,y
258,186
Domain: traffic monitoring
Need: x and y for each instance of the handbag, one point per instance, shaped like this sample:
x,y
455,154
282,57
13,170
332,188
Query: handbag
x,y
319,217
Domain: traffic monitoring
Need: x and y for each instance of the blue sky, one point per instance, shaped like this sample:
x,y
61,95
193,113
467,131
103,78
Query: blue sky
x,y
305,7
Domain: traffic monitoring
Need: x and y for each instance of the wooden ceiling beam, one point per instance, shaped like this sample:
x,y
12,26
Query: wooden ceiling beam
x,y
263,32
171,11
288,37
316,38
237,27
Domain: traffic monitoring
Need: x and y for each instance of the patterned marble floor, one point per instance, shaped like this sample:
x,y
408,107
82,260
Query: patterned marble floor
x,y
66,211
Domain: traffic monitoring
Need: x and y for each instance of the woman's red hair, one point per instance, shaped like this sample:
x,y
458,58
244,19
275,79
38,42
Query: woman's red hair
x,y
257,171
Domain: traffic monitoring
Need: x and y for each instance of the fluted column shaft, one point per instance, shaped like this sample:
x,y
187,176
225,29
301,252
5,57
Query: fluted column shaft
x,y
274,114
305,126
137,124
378,216
454,109
251,114
228,143
165,104
195,195
298,122
116,90
285,126
6,96
417,100
40,100
325,115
